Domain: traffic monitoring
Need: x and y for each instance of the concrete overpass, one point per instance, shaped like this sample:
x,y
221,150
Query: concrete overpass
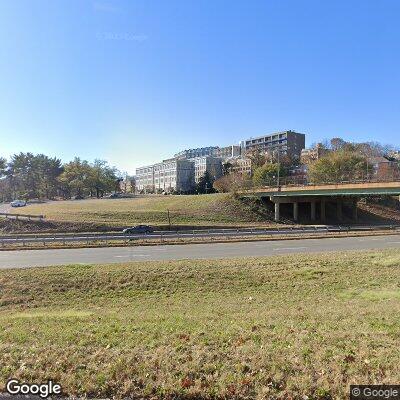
x,y
317,196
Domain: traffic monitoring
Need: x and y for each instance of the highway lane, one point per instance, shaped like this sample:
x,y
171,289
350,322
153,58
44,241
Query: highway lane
x,y
67,238
40,258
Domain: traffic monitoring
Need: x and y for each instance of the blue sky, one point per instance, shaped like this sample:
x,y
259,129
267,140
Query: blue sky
x,y
135,81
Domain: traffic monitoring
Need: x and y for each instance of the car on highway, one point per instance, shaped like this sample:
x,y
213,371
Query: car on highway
x,y
138,229
18,203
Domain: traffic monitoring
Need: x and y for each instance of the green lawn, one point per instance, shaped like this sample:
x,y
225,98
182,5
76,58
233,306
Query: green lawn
x,y
281,327
215,209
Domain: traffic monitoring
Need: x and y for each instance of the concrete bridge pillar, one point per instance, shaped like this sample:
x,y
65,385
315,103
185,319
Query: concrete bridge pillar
x,y
296,211
313,211
323,211
339,210
277,212
355,211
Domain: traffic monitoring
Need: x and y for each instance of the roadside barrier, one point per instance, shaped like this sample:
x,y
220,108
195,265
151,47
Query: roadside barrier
x,y
23,216
106,239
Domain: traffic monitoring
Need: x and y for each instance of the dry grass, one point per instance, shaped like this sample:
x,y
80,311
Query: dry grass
x,y
215,209
281,327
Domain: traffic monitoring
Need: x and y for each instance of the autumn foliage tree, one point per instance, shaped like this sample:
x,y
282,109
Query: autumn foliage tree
x,y
232,182
267,174
339,166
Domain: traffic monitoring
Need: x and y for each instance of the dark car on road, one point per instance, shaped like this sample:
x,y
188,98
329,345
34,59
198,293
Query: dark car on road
x,y
138,229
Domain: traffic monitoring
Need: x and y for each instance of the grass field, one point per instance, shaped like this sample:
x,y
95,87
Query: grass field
x,y
215,209
282,327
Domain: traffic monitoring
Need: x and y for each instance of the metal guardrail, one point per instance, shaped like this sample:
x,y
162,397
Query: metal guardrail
x,y
106,239
22,216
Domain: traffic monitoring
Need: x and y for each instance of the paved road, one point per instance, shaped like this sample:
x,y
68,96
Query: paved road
x,y
66,238
35,258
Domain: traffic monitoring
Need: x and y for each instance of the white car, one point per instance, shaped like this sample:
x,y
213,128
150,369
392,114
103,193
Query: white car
x,y
18,203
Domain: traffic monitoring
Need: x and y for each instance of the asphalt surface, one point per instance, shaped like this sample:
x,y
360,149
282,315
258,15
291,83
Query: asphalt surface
x,y
161,235
41,258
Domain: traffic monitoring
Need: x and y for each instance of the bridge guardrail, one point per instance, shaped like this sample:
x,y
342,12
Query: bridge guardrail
x,y
290,182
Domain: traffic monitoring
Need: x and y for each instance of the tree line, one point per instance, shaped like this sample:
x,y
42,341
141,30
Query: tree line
x,y
37,176
349,162
340,161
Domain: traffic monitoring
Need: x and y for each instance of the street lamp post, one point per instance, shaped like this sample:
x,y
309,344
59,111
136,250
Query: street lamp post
x,y
279,169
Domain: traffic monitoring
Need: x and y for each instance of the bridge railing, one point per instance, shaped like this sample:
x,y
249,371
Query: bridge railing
x,y
299,181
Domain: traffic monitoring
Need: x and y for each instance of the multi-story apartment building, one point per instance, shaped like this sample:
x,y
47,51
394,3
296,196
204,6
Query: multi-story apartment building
x,y
287,143
167,176
174,175
180,173
145,179
212,151
308,156
228,152
193,153
212,165
241,166
382,168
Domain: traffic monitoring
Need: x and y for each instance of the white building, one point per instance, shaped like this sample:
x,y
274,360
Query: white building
x,y
199,152
145,179
167,176
213,165
241,166
228,152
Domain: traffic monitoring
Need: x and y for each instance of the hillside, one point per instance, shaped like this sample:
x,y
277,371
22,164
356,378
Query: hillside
x,y
387,210
195,210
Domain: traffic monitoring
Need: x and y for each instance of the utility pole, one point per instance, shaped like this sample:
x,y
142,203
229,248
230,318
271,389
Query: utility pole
x,y
279,168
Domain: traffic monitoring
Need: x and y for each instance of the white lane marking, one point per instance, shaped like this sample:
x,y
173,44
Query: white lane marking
x,y
393,242
290,248
369,239
132,255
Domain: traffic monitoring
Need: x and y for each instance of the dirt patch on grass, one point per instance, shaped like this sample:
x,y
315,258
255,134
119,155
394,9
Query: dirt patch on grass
x,y
9,226
380,212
